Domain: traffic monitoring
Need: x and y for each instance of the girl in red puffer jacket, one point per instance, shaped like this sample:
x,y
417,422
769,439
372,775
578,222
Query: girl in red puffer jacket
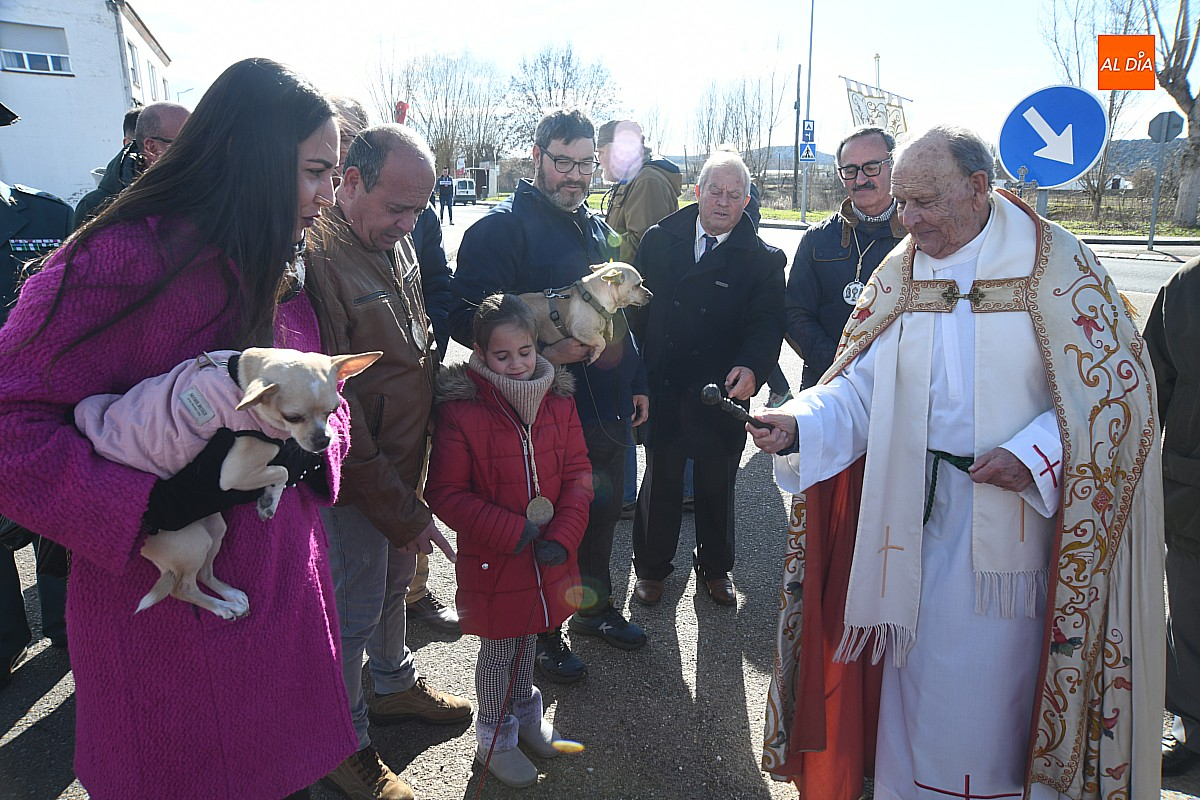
x,y
509,472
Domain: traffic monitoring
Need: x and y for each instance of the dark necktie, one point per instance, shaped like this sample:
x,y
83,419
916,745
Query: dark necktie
x,y
709,243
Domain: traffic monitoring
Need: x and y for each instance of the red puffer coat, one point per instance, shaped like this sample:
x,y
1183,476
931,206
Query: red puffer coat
x,y
479,484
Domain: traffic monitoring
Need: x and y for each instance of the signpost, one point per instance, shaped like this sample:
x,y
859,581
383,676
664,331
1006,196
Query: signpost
x,y
810,130
808,153
1163,128
1056,135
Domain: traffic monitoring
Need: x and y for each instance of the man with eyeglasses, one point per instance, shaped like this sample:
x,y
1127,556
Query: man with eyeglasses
x,y
157,126
544,237
716,318
837,255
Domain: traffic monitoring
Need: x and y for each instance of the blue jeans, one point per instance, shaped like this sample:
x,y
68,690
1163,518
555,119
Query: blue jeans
x,y
370,580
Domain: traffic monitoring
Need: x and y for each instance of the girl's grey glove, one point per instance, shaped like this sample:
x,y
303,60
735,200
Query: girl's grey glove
x,y
530,533
549,552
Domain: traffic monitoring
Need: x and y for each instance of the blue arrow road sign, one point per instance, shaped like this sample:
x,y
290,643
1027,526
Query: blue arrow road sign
x,y
809,131
808,152
1056,134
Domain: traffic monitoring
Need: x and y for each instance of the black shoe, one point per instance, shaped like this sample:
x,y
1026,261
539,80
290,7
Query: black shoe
x,y
689,505
628,510
7,665
433,613
610,626
555,659
1176,758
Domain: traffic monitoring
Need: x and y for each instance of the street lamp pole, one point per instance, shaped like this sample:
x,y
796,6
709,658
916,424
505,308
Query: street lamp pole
x,y
181,94
796,148
812,12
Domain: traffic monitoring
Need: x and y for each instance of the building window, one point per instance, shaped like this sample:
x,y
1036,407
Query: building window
x,y
152,76
134,75
166,90
33,48
15,61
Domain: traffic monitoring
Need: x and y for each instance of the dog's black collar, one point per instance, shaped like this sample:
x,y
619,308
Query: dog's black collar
x,y
232,366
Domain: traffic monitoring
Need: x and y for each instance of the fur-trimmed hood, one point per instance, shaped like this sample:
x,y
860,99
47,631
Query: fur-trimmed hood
x,y
453,383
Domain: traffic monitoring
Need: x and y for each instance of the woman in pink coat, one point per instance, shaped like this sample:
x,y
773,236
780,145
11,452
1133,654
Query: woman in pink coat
x,y
199,254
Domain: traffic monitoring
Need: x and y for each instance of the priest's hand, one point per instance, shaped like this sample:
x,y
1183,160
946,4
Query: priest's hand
x,y
780,436
1001,468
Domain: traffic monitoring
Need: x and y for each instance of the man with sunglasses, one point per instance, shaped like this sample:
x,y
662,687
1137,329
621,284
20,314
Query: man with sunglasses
x,y
544,237
837,255
157,126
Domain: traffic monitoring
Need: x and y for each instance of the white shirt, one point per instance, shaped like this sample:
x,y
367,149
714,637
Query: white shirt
x,y
700,234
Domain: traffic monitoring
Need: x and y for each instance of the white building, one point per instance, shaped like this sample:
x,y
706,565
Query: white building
x,y
70,69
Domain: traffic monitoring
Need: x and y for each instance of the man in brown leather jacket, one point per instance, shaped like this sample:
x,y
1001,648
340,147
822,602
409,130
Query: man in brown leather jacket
x,y
366,287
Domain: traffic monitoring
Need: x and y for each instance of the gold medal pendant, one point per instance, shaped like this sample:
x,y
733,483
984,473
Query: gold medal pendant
x,y
539,511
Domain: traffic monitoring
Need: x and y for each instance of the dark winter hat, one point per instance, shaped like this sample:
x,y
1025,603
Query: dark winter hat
x,y
608,131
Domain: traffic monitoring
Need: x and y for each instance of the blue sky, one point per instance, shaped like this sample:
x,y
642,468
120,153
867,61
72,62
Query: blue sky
x,y
957,61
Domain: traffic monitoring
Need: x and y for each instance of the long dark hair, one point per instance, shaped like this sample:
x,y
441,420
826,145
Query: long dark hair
x,y
230,180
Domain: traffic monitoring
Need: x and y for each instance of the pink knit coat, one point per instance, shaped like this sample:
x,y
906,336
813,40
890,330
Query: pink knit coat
x,y
172,702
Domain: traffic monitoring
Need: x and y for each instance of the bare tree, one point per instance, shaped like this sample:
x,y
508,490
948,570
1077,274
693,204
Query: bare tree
x,y
556,78
453,101
1175,57
483,124
1070,31
742,113
656,127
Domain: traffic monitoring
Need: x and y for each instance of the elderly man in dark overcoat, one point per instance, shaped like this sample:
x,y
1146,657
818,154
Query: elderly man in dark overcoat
x,y
717,317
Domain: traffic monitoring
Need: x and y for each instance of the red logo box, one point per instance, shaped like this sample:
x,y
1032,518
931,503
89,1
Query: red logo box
x,y
1125,62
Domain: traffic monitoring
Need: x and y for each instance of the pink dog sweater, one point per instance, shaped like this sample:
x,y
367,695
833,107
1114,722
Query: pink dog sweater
x,y
162,423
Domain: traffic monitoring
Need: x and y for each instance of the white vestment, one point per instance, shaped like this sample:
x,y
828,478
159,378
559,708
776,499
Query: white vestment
x,y
956,717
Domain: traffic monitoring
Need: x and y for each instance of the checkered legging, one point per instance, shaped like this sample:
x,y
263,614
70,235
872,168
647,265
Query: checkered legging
x,y
493,669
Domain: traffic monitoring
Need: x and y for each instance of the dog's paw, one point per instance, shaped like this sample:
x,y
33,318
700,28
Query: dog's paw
x,y
266,508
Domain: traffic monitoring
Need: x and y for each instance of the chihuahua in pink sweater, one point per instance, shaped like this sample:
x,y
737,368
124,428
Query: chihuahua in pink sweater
x,y
162,424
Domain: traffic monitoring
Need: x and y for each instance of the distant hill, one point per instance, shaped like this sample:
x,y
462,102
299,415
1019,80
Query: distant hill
x,y
1128,156
781,158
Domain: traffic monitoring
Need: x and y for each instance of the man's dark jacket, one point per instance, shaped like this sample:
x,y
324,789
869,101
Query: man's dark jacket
x,y
528,244
826,262
435,274
706,318
1173,341
32,225
120,172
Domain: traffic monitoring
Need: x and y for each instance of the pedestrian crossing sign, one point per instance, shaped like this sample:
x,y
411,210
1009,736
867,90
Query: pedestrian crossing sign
x,y
808,152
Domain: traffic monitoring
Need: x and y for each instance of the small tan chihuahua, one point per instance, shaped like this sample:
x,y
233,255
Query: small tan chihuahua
x,y
285,394
588,306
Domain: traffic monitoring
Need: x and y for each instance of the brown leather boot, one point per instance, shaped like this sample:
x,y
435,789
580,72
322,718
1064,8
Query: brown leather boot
x,y
421,702
364,776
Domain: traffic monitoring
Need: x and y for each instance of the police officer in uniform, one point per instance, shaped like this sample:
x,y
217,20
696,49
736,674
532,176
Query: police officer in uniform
x,y
32,224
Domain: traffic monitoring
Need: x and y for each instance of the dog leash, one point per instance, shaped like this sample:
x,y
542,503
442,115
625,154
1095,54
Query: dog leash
x,y
562,294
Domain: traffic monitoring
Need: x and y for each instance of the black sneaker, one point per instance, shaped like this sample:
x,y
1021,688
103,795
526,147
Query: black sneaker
x,y
610,626
555,659
1176,758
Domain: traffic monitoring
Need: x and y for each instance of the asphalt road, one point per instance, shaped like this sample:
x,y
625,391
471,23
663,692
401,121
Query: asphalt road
x,y
682,718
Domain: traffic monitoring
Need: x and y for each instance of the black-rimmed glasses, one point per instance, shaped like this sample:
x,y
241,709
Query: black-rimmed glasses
x,y
869,168
159,139
565,165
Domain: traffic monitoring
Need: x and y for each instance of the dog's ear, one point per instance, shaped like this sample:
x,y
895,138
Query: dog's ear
x,y
349,366
256,392
614,276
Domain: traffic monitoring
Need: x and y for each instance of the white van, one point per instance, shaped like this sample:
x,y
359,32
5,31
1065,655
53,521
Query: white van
x,y
464,191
